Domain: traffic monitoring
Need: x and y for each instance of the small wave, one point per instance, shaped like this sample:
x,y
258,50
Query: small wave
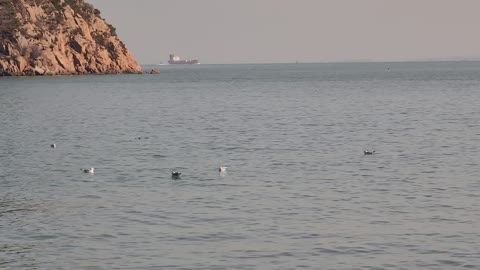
x,y
450,263
90,197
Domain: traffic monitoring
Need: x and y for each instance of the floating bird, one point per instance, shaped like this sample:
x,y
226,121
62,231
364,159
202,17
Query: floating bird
x,y
88,170
366,152
222,169
176,174
53,145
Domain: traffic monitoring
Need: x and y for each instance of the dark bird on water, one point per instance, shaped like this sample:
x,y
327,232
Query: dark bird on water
x,y
366,152
88,170
176,174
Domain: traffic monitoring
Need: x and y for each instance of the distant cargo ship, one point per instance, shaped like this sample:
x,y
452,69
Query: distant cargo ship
x,y
174,60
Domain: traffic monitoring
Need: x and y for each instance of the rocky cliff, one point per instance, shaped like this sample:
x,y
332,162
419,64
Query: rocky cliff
x,y
57,37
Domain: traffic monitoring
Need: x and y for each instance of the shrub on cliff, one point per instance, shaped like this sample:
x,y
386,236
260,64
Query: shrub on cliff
x,y
85,10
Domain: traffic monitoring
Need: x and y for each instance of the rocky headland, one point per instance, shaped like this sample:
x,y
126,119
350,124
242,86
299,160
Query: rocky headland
x,y
59,37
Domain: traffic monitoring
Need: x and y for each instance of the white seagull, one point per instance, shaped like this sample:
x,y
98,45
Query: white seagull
x,y
222,169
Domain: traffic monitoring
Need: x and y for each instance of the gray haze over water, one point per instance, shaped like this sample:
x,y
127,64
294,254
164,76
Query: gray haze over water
x,y
285,31
298,193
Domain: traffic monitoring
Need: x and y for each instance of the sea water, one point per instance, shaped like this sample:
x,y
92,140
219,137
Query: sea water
x,y
298,191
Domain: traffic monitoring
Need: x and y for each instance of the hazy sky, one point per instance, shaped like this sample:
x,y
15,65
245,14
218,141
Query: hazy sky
x,y
272,31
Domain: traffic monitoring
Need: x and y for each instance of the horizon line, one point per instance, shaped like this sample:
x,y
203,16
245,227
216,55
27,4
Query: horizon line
x,y
330,62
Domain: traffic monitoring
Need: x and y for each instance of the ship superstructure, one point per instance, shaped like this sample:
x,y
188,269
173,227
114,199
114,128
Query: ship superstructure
x,y
174,60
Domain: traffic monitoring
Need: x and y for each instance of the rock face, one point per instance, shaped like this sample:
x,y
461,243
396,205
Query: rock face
x,y
59,37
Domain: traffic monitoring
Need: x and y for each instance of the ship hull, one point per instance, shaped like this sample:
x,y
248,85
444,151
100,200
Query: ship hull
x,y
183,62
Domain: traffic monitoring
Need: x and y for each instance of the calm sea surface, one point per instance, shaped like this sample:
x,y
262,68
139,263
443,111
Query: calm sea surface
x,y
298,192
